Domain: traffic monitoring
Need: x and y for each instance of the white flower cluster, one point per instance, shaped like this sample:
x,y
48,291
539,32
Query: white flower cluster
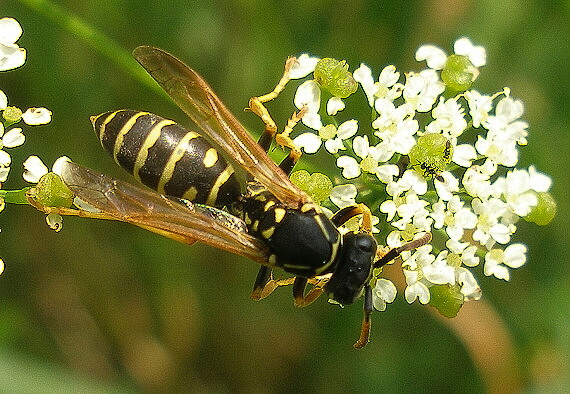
x,y
11,57
473,205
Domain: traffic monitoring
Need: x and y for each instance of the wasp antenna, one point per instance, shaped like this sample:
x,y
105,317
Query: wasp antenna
x,y
416,243
393,253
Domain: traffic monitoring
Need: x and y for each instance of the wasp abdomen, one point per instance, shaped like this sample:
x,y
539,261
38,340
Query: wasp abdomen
x,y
167,157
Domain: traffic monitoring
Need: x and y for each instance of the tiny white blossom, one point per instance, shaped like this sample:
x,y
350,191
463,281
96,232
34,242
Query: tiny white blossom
x,y
476,54
332,137
36,116
479,106
469,286
369,155
334,105
303,66
415,288
434,56
384,292
410,180
343,195
308,95
448,119
386,87
3,100
11,55
497,260
13,138
34,168
464,155
446,189
422,89
489,229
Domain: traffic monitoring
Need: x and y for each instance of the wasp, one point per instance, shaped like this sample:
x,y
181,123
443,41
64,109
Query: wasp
x,y
198,197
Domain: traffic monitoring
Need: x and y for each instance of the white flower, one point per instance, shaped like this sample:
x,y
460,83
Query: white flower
x,y
369,155
454,216
479,106
446,188
464,155
469,286
410,180
436,58
36,116
422,89
384,292
489,230
308,95
448,119
439,272
11,55
476,54
396,129
497,260
343,195
332,137
34,168
303,66
386,87
415,288
13,138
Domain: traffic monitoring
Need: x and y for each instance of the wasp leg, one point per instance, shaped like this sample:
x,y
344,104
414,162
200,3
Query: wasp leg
x,y
260,287
302,299
365,328
256,105
347,213
284,140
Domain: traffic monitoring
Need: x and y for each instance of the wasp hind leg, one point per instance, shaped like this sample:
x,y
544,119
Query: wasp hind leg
x,y
265,284
300,297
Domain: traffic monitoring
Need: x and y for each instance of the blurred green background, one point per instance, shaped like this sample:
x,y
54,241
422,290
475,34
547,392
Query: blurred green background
x,y
106,307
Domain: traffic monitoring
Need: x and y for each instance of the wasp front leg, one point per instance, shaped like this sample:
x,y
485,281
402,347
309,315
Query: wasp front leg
x,y
283,139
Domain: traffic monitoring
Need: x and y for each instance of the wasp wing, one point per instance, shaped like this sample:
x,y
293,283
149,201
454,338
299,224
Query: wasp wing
x,y
152,211
195,97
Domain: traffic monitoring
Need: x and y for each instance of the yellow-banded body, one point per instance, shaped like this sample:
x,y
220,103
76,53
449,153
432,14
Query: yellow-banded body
x,y
166,157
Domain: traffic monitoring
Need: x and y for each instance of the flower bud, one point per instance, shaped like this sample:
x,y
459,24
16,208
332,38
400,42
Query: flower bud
x,y
333,75
447,299
51,191
544,211
431,154
318,186
459,73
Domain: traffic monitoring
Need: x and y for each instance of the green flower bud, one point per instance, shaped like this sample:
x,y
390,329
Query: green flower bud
x,y
431,154
544,211
12,115
318,186
333,75
459,73
51,191
448,300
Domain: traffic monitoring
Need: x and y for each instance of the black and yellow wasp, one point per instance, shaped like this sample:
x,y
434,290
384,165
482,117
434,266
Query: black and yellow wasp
x,y
269,220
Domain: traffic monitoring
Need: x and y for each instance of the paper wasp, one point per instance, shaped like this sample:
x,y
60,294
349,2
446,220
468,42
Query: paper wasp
x,y
199,197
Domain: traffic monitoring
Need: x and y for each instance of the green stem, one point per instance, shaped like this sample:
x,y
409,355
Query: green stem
x,y
15,196
93,38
